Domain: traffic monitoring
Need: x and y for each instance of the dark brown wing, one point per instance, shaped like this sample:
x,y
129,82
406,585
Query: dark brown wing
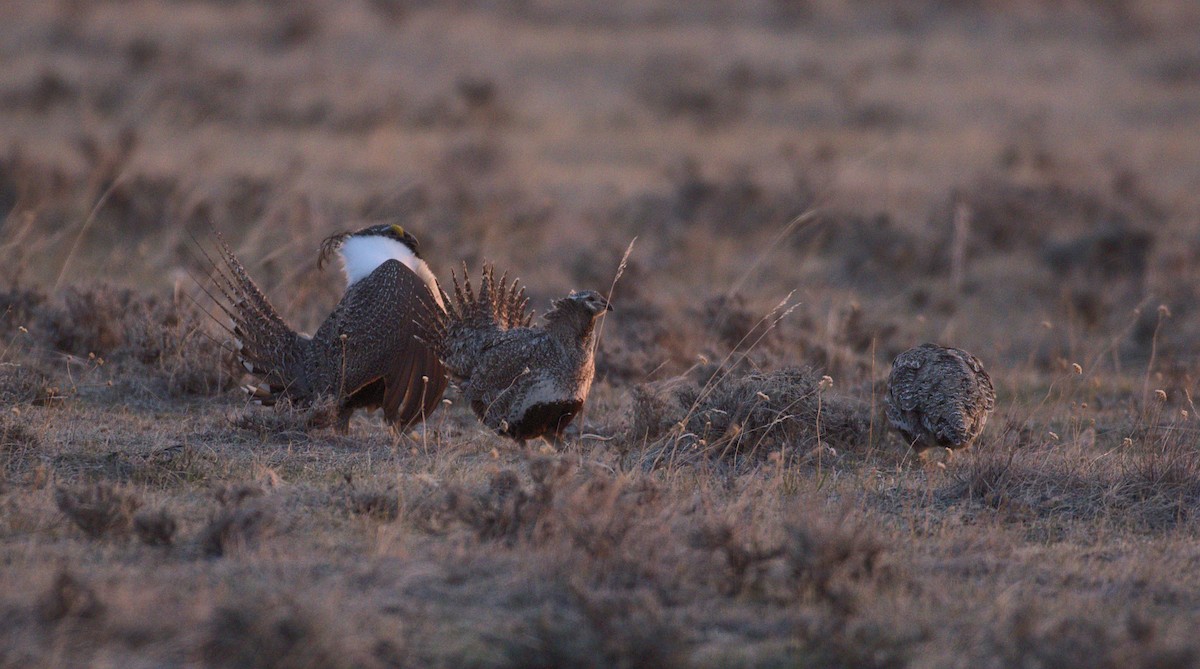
x,y
414,393
369,337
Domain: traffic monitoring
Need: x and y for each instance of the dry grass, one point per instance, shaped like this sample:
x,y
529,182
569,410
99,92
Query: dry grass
x,y
99,509
155,528
1015,178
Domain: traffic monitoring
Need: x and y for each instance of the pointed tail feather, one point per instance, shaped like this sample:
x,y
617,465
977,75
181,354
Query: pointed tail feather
x,y
264,344
473,318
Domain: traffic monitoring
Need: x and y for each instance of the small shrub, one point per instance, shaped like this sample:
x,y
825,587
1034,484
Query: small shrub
x,y
98,509
168,341
270,633
235,528
19,306
757,414
679,88
655,411
87,320
235,494
22,384
740,556
600,629
68,598
171,338
834,563
507,511
1111,252
155,528
286,419
1031,638
1006,215
378,504
736,327
869,248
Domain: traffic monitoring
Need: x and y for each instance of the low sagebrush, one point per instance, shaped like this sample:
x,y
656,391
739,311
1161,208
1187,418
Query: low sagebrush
x,y
754,415
381,505
599,629
1035,638
98,509
235,527
286,419
22,384
155,528
269,632
68,597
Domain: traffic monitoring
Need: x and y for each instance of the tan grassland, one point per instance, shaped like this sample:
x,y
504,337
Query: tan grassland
x,y
813,185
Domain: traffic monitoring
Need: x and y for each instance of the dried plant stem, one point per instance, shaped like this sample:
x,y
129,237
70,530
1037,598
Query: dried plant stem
x,y
87,223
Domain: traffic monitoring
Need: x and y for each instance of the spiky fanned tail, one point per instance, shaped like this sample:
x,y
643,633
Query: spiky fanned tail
x,y
471,320
264,344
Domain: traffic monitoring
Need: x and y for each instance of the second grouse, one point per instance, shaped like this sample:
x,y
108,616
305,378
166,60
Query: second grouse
x,y
524,382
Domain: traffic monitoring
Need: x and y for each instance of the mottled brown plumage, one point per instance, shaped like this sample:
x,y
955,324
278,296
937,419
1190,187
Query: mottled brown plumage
x,y
364,355
939,397
524,382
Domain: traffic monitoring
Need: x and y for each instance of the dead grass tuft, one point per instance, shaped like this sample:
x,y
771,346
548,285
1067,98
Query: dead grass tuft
x,y
86,320
286,420
19,306
22,384
382,505
1151,487
1032,638
155,528
790,409
236,527
98,509
16,434
167,341
599,629
270,632
1161,484
506,510
736,326
68,598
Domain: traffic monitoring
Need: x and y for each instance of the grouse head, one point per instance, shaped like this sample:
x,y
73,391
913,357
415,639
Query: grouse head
x,y
392,232
589,301
364,250
577,312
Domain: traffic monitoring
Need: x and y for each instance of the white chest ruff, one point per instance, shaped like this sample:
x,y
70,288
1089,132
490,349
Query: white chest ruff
x,y
361,255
